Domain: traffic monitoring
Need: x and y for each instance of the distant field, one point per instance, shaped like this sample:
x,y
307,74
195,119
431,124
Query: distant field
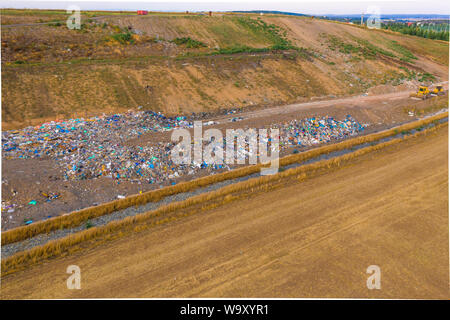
x,y
313,238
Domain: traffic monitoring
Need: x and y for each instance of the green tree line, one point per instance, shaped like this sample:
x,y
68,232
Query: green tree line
x,y
420,31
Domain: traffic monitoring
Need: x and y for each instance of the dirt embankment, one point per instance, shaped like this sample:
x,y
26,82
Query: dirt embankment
x,y
118,63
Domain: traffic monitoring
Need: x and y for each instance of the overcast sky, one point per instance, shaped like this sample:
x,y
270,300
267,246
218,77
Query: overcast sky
x,y
308,7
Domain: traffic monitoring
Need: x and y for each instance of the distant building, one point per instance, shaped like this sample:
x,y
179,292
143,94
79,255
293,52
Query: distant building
x,y
142,12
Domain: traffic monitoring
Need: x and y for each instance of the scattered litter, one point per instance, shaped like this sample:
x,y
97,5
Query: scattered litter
x,y
95,147
9,208
50,196
307,132
33,202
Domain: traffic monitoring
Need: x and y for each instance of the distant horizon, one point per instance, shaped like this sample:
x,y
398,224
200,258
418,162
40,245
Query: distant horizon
x,y
224,11
333,8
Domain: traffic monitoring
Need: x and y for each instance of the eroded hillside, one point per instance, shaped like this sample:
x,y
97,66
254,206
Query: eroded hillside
x,y
192,63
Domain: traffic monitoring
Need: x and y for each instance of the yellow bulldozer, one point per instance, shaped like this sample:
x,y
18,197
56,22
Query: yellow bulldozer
x,y
425,92
422,93
438,90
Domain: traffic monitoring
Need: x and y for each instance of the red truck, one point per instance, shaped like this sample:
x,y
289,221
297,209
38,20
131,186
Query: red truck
x,y
142,12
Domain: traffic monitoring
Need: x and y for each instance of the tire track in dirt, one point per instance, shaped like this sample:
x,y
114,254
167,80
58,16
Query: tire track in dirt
x,y
359,99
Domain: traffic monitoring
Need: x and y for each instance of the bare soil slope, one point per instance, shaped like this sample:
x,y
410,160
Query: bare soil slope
x,y
311,239
118,63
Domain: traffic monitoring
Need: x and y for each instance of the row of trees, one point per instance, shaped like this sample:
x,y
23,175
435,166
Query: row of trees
x,y
419,31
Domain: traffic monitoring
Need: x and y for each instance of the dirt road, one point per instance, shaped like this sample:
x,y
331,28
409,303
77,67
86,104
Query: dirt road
x,y
368,100
312,239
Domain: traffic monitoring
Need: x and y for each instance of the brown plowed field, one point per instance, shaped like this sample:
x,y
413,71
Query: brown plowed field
x,y
311,239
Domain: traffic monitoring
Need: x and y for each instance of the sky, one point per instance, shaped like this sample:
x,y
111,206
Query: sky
x,y
318,7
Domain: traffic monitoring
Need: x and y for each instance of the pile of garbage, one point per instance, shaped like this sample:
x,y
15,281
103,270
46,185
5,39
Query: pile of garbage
x,y
307,132
95,147
58,138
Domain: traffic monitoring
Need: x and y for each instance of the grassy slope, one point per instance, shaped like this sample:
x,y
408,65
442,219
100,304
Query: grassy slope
x,y
100,75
